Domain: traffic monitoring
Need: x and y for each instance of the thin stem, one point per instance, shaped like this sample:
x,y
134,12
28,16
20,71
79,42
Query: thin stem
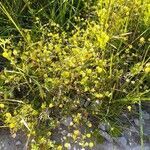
x,y
141,125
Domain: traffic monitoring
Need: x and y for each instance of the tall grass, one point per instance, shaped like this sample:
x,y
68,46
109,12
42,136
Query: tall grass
x,y
84,59
23,13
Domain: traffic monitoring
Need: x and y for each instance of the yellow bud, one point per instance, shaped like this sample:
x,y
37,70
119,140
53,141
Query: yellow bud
x,y
129,108
5,54
8,115
51,105
60,105
92,90
15,52
142,40
99,70
65,74
147,70
76,120
76,132
67,145
98,95
88,135
89,125
2,105
11,125
89,71
59,147
130,46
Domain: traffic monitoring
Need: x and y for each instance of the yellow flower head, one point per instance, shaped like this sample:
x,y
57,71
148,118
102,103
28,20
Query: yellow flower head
x,y
142,40
76,132
2,105
59,147
129,108
8,115
51,105
11,125
67,145
88,135
91,144
89,125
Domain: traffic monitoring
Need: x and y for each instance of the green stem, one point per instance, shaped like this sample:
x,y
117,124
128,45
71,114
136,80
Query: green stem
x,y
141,125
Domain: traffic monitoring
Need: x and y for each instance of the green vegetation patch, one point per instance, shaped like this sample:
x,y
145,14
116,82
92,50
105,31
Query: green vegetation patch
x,y
91,71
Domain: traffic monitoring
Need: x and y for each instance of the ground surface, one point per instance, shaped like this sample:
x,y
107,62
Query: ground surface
x,y
129,139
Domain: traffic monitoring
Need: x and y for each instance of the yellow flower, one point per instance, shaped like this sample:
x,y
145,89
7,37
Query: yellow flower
x,y
11,125
89,71
61,105
76,120
67,145
98,95
99,70
15,52
142,40
129,108
8,115
59,147
147,70
76,132
92,90
5,54
43,106
65,74
51,105
88,135
2,105
89,125
130,46
91,144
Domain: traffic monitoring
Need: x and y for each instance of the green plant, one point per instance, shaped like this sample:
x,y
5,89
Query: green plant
x,y
18,14
92,72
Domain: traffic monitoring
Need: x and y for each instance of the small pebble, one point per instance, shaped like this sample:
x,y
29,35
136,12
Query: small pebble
x,y
102,127
146,115
64,132
18,143
122,141
139,148
137,122
106,136
67,121
133,129
13,135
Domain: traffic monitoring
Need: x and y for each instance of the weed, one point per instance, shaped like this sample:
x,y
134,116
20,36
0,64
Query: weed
x,y
90,72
